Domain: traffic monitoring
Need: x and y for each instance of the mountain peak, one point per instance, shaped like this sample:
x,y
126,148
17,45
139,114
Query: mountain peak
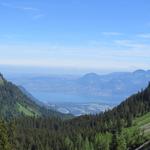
x,y
91,75
89,78
140,71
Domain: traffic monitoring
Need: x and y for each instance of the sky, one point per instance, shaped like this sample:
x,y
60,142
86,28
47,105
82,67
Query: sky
x,y
91,35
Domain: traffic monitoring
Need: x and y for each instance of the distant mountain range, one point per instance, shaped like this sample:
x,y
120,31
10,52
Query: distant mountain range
x,y
126,126
109,88
90,93
115,86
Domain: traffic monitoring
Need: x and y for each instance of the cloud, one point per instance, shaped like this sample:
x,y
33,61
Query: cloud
x,y
36,17
10,36
36,14
144,35
27,8
70,57
103,64
111,33
117,54
132,44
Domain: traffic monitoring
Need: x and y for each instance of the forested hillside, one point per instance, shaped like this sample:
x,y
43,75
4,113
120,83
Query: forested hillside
x,y
14,103
127,126
27,125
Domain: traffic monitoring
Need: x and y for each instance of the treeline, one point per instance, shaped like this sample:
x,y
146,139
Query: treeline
x,y
103,131
45,135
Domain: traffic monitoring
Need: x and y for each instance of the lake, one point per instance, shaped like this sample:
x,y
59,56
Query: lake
x,y
63,97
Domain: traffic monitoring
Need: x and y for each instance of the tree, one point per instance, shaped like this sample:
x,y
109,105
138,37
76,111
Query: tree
x,y
4,142
68,143
86,145
102,141
121,142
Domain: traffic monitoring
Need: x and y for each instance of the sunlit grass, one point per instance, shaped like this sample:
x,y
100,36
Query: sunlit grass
x,y
27,111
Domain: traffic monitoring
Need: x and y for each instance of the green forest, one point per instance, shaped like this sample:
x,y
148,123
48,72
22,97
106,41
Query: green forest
x,y
24,125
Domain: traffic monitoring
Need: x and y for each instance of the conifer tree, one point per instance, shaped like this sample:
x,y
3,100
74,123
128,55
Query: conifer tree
x,y
4,142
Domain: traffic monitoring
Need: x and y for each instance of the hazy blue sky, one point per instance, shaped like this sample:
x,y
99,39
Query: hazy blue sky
x,y
78,34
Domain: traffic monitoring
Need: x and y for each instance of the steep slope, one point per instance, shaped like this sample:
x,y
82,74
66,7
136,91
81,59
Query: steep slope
x,y
134,106
127,126
30,96
13,102
142,123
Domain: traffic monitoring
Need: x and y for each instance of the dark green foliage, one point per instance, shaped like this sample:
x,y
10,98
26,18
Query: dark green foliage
x,y
103,131
4,142
90,132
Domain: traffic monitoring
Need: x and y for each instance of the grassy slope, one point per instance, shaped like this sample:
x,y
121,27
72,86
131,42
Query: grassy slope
x,y
1,81
141,124
27,110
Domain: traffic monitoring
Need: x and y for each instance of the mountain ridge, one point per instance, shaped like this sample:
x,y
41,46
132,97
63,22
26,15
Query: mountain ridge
x,y
109,88
14,103
124,127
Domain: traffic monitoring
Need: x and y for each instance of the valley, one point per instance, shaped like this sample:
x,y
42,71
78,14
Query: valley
x,y
87,94
75,75
78,109
126,125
